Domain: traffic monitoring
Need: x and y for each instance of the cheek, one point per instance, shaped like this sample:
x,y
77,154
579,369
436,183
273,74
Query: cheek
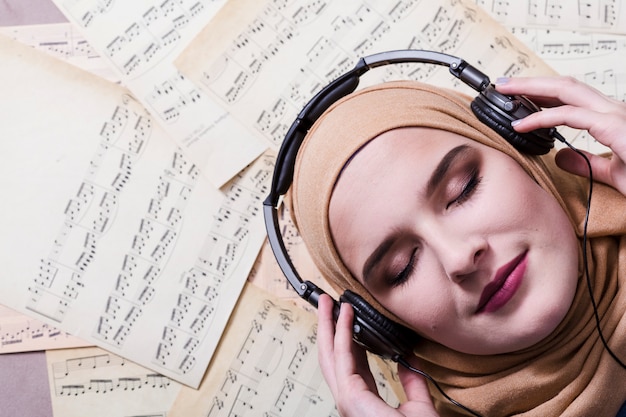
x,y
425,304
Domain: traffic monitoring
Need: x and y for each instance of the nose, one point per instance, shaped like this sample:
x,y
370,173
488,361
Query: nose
x,y
459,256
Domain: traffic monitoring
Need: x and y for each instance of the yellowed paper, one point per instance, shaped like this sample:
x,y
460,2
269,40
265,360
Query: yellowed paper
x,y
266,365
266,70
600,16
62,41
21,333
94,382
140,39
109,232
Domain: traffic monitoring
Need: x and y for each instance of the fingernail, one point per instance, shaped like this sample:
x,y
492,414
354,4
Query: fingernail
x,y
502,80
515,122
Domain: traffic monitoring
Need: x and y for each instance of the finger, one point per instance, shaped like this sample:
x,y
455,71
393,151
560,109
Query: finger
x,y
415,386
602,168
326,340
351,360
604,127
416,390
555,90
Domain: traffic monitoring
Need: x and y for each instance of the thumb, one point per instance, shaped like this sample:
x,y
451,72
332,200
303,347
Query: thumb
x,y
569,160
416,390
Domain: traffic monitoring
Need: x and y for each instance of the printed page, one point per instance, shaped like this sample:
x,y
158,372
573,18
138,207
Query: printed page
x,y
93,382
600,16
594,58
140,40
109,232
267,274
62,41
266,365
21,333
268,61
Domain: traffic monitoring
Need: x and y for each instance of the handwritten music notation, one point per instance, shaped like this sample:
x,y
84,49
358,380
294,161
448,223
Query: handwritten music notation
x,y
94,381
608,16
267,365
318,40
140,41
119,238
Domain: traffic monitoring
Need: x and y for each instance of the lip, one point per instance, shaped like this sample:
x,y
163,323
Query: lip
x,y
504,285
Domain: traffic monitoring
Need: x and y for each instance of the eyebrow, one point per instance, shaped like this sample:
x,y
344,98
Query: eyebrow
x,y
436,178
443,167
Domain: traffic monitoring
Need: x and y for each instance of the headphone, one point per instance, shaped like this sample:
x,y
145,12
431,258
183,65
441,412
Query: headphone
x,y
371,329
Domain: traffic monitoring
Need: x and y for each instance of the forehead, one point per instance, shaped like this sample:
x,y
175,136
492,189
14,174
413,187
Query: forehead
x,y
419,146
383,170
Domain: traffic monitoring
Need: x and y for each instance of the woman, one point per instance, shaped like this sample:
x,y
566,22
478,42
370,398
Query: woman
x,y
402,196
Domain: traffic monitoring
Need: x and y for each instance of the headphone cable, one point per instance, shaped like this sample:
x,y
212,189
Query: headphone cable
x,y
585,260
408,366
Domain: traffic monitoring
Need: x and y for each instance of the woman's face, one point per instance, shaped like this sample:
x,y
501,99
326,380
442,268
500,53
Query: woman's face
x,y
455,239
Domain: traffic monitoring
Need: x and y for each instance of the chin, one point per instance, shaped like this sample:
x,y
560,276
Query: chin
x,y
534,328
514,333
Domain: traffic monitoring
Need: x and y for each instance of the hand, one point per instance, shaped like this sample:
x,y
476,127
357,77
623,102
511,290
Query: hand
x,y
569,102
345,368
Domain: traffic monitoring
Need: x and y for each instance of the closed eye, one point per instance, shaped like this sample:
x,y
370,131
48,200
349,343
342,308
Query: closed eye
x,y
471,185
402,277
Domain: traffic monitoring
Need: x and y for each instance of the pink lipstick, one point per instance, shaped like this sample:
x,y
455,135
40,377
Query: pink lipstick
x,y
502,288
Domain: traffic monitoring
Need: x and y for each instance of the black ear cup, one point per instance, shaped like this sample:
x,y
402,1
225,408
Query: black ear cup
x,y
377,333
497,111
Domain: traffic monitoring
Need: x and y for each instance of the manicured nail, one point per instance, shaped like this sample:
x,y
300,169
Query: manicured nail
x,y
502,80
515,122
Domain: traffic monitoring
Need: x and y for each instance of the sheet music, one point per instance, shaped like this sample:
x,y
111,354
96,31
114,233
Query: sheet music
x,y
62,41
275,60
140,39
266,273
266,365
109,232
600,16
94,382
20,333
593,58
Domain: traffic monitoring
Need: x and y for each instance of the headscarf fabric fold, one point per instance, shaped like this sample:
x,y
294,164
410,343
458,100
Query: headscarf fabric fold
x,y
569,373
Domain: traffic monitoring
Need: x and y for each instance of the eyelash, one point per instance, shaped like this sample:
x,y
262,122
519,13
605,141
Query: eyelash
x,y
468,190
404,275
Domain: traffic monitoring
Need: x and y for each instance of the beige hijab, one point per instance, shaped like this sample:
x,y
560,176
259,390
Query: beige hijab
x,y
569,373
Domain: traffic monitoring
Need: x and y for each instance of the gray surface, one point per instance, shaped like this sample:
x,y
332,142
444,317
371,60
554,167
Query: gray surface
x,y
29,12
24,390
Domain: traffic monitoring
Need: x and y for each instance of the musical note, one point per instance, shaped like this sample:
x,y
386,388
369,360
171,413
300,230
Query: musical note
x,y
594,15
329,42
590,57
140,42
88,217
264,367
62,40
105,383
20,333
113,212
